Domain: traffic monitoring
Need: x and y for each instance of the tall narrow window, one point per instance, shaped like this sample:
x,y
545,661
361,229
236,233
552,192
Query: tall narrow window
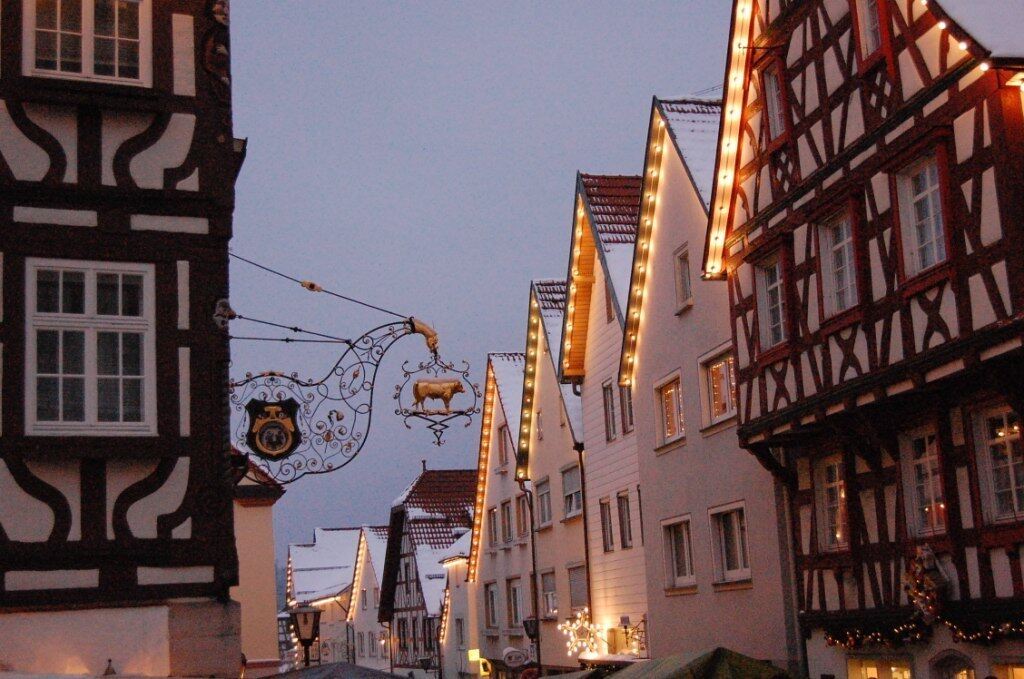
x,y
1005,454
362,599
678,554
924,486
920,195
831,498
838,265
870,23
578,587
460,632
771,303
504,445
491,604
720,377
671,411
608,394
684,292
626,406
549,595
607,537
514,589
492,525
625,522
506,521
572,491
774,106
522,516
609,310
90,335
731,544
544,503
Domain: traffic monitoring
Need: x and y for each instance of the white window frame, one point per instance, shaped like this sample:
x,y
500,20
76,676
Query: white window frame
x,y
718,516
491,605
769,338
863,9
504,445
912,245
936,505
684,283
993,515
549,597
507,526
573,496
581,568
514,593
827,539
544,514
625,519
28,51
721,353
774,105
673,578
90,323
838,259
663,438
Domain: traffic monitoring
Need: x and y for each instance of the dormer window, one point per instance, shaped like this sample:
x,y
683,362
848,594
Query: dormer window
x,y
108,40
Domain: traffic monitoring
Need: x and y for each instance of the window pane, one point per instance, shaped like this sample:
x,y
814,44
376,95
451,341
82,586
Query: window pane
x,y
73,397
131,357
46,50
128,19
71,53
106,284
47,352
104,17
109,394
103,63
729,541
131,295
73,292
47,399
47,291
107,353
128,59
46,13
73,353
132,400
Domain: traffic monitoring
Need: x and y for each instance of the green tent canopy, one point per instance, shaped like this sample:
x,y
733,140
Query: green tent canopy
x,y
720,663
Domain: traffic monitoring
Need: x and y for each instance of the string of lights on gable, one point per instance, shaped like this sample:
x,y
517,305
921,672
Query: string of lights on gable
x,y
482,466
574,270
529,387
357,574
641,255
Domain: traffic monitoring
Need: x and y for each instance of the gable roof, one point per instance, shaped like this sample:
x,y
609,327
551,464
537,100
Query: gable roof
x,y
604,230
994,24
508,380
547,311
433,511
323,568
692,127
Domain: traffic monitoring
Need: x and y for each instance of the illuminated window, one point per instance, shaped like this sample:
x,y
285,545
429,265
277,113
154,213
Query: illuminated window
x,y
549,596
1004,454
771,303
670,411
924,482
89,39
720,385
921,219
878,668
831,499
838,266
678,553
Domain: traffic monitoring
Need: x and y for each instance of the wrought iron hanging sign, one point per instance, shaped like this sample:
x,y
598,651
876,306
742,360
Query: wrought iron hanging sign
x,y
296,426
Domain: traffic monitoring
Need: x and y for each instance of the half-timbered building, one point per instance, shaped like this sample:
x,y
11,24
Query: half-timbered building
x,y
117,168
867,217
426,519
606,210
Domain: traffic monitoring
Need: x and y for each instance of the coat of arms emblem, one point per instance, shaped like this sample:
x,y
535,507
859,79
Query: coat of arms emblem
x,y
273,430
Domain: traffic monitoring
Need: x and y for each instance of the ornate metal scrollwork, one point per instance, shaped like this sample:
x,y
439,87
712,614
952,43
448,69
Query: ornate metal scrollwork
x,y
293,427
437,380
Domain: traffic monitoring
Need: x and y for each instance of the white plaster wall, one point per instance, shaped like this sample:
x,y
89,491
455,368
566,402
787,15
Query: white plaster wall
x,y
136,640
710,469
508,559
561,544
364,621
257,584
462,604
610,467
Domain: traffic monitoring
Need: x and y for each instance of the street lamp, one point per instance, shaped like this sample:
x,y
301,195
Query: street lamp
x,y
306,621
532,628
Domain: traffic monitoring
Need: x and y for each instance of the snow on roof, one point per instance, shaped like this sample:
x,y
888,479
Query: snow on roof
x,y
323,568
995,24
614,205
433,578
438,501
693,126
551,297
459,548
377,546
508,378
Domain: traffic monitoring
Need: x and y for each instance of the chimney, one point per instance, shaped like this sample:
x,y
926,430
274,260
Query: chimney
x,y
424,463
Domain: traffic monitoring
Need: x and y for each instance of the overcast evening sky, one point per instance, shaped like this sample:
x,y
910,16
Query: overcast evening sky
x,y
422,156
